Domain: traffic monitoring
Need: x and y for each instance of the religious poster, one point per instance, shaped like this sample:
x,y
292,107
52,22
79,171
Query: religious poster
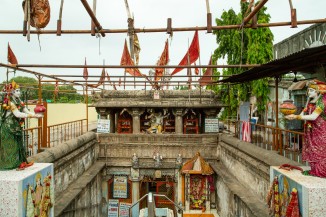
x,y
113,208
124,209
120,188
156,94
211,125
103,126
38,191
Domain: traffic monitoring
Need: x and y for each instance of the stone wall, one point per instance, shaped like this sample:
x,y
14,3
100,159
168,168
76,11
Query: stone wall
x,y
117,149
243,177
76,173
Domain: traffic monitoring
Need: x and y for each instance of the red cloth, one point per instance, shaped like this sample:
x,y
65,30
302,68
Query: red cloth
x,y
127,61
193,53
164,59
85,72
11,56
314,148
205,79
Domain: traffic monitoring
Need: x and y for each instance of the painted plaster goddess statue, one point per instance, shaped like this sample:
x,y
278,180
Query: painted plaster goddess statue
x,y
13,112
314,147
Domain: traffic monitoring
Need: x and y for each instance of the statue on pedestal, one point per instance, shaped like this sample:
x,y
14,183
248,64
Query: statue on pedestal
x,y
12,114
314,114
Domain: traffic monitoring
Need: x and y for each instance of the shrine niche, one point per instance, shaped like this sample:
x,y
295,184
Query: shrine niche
x,y
199,186
191,122
124,122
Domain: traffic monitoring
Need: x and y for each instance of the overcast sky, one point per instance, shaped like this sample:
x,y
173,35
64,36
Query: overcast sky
x,y
72,49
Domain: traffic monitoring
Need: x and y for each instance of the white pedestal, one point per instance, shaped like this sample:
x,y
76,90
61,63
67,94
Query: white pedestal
x,y
311,191
14,191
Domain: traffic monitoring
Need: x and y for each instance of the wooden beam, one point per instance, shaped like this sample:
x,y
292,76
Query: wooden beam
x,y
94,19
254,11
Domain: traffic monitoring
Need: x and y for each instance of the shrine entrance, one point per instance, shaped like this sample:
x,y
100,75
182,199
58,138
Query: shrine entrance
x,y
161,186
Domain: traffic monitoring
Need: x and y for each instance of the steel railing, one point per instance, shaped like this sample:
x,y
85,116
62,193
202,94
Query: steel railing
x,y
59,133
286,142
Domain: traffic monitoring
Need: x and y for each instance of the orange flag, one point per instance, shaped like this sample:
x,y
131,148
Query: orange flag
x,y
127,61
193,53
206,79
164,59
109,79
85,72
11,56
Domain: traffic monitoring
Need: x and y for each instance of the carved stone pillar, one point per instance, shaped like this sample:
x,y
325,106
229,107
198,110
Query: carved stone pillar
x,y
178,120
103,112
135,120
210,113
112,121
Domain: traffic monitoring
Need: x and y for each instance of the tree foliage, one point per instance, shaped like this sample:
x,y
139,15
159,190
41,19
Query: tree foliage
x,y
243,46
29,90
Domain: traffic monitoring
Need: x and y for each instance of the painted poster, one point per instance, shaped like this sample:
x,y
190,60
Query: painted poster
x,y
103,126
38,193
113,208
124,209
120,186
211,125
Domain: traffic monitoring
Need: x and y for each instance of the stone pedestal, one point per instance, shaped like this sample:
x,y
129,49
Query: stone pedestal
x,y
18,189
311,190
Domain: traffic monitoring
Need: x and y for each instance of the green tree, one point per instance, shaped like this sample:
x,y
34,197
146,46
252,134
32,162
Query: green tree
x,y
243,46
29,89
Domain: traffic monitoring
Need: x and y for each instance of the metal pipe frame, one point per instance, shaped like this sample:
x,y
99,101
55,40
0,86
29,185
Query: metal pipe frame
x,y
181,29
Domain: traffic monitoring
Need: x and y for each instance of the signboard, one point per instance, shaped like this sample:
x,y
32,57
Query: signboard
x,y
103,125
156,94
124,209
113,208
211,125
120,188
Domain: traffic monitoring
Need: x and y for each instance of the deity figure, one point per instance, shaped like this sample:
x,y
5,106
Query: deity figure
x,y
134,159
37,195
12,115
314,114
158,159
178,161
156,123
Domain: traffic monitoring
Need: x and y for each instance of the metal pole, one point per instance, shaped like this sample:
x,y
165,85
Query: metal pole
x,y
180,29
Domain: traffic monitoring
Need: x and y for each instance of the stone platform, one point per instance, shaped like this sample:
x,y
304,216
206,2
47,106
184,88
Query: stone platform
x,y
311,190
19,189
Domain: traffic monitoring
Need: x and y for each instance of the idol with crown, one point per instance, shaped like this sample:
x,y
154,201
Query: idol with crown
x,y
314,115
12,115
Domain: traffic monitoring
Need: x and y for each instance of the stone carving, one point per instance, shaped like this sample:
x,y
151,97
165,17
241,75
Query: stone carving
x,y
135,162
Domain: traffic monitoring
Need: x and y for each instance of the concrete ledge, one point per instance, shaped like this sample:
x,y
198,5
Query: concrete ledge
x,y
65,198
52,154
257,207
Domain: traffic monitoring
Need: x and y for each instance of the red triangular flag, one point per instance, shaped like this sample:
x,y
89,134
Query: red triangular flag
x,y
193,53
85,72
11,56
206,78
127,61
